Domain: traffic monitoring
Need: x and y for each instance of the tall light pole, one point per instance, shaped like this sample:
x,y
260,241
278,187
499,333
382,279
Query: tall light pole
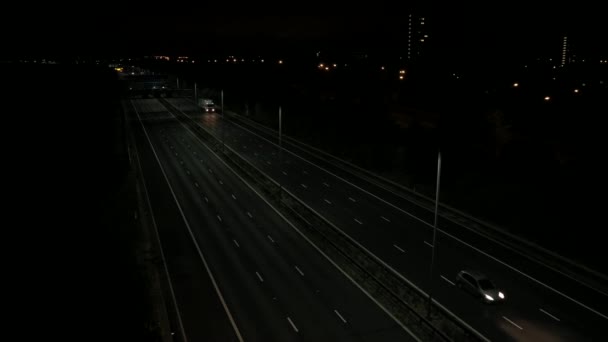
x,y
280,130
223,118
434,232
280,146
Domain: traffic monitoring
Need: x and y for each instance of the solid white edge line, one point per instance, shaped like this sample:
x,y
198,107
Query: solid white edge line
x,y
448,280
399,248
299,271
304,186
510,321
385,219
198,249
457,239
338,313
451,236
359,222
160,245
388,313
550,315
292,325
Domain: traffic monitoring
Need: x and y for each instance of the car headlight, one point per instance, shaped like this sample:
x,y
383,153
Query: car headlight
x,y
501,295
488,297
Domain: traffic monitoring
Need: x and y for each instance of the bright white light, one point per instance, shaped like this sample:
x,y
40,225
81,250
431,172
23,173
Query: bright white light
x,y
576,90
326,68
516,85
501,295
321,65
401,77
335,65
280,61
382,68
488,297
547,98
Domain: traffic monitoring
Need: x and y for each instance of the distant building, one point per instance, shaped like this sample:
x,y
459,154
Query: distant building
x,y
565,52
417,37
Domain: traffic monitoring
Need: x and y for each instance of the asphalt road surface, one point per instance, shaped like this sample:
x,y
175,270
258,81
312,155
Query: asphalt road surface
x,y
541,303
239,270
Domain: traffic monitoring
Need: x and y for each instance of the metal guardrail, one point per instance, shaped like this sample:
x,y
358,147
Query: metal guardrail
x,y
569,268
408,302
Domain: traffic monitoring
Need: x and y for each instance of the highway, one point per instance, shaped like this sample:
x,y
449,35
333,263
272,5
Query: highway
x,y
542,304
239,270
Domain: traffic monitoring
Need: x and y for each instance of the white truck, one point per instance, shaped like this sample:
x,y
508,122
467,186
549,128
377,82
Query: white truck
x,y
207,105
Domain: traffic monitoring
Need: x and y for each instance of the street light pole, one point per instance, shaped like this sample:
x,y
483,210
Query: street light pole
x,y
223,118
280,146
222,100
280,130
434,232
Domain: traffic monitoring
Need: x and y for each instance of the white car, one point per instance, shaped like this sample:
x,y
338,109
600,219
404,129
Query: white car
x,y
479,286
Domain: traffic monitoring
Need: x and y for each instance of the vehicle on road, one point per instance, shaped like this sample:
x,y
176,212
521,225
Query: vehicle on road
x,y
480,286
207,105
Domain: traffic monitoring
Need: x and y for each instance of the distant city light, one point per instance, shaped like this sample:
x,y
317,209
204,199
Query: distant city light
x,y
515,84
321,65
326,68
547,98
401,72
280,61
243,60
215,61
234,60
262,61
335,65
382,68
401,77
576,90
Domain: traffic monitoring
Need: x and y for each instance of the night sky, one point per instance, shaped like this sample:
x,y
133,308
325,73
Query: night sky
x,y
456,31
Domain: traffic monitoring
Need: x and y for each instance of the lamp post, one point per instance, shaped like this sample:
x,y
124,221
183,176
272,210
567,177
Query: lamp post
x,y
434,247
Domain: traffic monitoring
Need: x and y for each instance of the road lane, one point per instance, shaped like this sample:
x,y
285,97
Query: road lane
x,y
261,308
411,233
